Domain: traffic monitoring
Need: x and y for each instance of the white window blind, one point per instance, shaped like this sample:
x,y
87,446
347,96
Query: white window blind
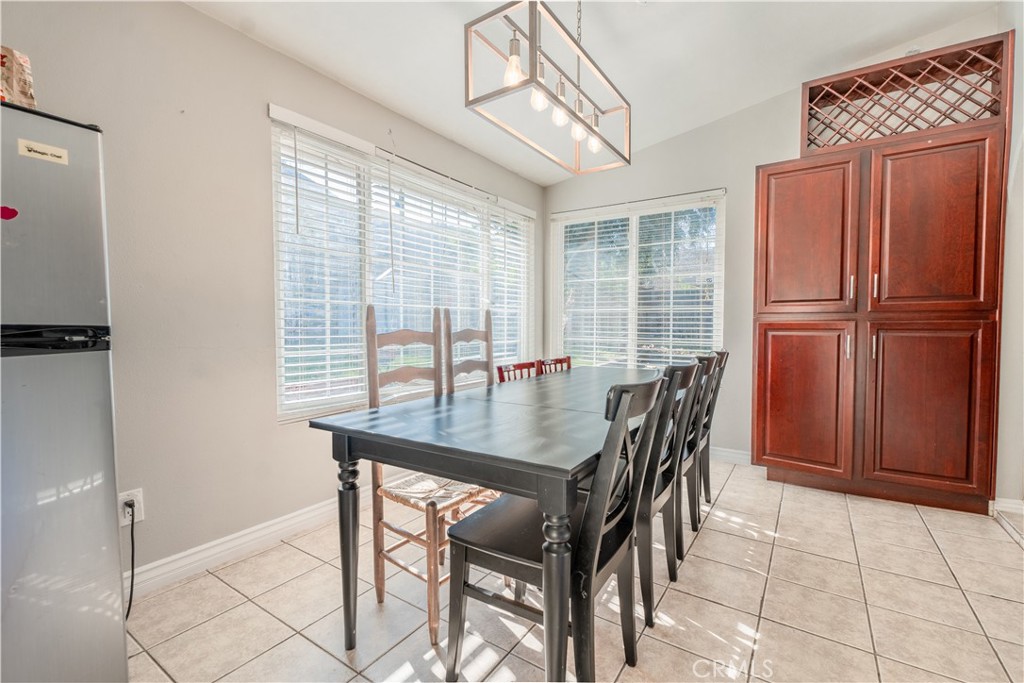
x,y
353,229
642,285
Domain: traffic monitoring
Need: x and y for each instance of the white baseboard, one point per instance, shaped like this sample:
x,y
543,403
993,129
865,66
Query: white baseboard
x,y
730,455
1010,505
156,575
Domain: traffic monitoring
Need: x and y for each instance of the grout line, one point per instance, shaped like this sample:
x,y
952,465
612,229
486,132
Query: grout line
x,y
764,590
864,591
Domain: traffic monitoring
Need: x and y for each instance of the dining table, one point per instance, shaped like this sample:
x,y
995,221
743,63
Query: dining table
x,y
537,438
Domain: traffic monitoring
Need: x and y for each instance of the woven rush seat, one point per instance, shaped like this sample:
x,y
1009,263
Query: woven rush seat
x,y
418,490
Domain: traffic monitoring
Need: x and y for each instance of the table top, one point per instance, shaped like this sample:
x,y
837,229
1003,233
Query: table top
x,y
551,425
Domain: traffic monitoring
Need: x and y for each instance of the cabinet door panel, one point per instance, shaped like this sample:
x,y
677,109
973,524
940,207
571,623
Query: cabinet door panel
x,y
935,214
804,396
928,418
807,235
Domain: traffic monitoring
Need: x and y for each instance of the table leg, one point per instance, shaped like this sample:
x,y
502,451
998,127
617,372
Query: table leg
x,y
348,524
557,569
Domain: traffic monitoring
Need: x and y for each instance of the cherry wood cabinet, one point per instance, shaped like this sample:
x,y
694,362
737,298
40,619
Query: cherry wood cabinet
x,y
877,292
804,402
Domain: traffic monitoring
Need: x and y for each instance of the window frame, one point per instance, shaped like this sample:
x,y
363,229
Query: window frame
x,y
555,295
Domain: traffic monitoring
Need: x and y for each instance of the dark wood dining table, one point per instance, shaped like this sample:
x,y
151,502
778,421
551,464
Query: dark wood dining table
x,y
535,438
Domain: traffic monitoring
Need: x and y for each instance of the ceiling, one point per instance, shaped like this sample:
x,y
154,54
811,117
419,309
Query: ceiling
x,y
680,65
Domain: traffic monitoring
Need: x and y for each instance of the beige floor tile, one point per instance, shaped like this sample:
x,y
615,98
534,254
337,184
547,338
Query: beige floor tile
x,y
607,601
988,579
219,646
325,542
142,669
824,500
787,654
379,628
815,571
721,583
928,645
133,645
862,508
918,598
308,597
492,624
758,500
905,561
513,668
609,655
415,659
966,523
659,661
1012,656
269,569
897,672
824,507
1016,519
749,472
296,659
1004,552
739,552
825,614
171,612
704,628
758,527
1002,619
806,536
874,529
660,562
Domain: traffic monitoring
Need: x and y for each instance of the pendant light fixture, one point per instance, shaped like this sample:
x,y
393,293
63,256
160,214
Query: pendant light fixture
x,y
509,93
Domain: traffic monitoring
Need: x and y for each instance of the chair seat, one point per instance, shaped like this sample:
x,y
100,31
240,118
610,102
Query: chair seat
x,y
419,489
511,527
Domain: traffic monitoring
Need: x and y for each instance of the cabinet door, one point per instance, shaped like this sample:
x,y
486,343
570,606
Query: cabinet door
x,y
807,217
935,222
929,408
803,405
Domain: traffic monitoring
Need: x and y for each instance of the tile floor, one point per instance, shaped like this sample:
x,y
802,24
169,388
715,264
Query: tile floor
x,y
781,584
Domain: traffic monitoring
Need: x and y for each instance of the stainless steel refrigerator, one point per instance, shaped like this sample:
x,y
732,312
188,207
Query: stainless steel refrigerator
x,y
62,612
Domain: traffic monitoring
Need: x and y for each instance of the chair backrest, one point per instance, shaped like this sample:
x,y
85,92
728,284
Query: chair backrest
x,y
706,379
547,365
723,358
512,371
614,498
468,335
676,414
404,374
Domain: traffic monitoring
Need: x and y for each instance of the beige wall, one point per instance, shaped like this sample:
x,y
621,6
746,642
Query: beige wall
x,y
183,100
724,154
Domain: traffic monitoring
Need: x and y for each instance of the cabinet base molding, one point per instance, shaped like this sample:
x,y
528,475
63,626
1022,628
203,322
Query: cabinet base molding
x,y
886,491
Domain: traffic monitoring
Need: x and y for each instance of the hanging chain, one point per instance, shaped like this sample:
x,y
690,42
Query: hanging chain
x,y
579,21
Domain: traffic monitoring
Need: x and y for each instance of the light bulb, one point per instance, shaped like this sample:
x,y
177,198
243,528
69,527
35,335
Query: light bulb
x,y
558,115
538,100
579,133
593,143
514,69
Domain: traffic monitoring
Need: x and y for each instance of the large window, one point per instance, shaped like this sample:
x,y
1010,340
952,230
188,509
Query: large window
x,y
353,229
642,284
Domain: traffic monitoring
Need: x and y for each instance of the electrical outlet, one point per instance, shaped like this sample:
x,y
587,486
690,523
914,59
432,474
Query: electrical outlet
x,y
125,513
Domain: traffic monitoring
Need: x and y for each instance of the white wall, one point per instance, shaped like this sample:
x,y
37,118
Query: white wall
x,y
183,103
724,154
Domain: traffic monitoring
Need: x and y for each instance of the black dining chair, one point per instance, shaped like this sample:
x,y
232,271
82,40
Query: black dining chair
x,y
661,489
506,536
705,443
694,439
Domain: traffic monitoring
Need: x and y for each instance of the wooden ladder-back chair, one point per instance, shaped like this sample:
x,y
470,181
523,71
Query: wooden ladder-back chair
x,y
485,364
662,486
506,536
547,365
513,371
705,444
435,497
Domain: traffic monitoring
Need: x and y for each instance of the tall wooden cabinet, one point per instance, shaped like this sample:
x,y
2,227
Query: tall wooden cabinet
x,y
877,294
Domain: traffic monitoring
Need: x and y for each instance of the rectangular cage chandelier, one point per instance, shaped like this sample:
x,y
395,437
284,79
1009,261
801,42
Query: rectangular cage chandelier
x,y
541,84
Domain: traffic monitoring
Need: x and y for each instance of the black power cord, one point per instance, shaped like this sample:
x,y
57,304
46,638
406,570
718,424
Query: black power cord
x,y
130,504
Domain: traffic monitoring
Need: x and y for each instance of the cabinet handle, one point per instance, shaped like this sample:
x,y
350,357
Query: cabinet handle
x,y
851,288
874,345
847,346
876,286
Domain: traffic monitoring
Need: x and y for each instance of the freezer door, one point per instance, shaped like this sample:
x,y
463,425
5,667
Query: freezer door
x,y
62,612
53,252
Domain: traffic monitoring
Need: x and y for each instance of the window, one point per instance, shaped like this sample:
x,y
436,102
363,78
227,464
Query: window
x,y
353,229
641,284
